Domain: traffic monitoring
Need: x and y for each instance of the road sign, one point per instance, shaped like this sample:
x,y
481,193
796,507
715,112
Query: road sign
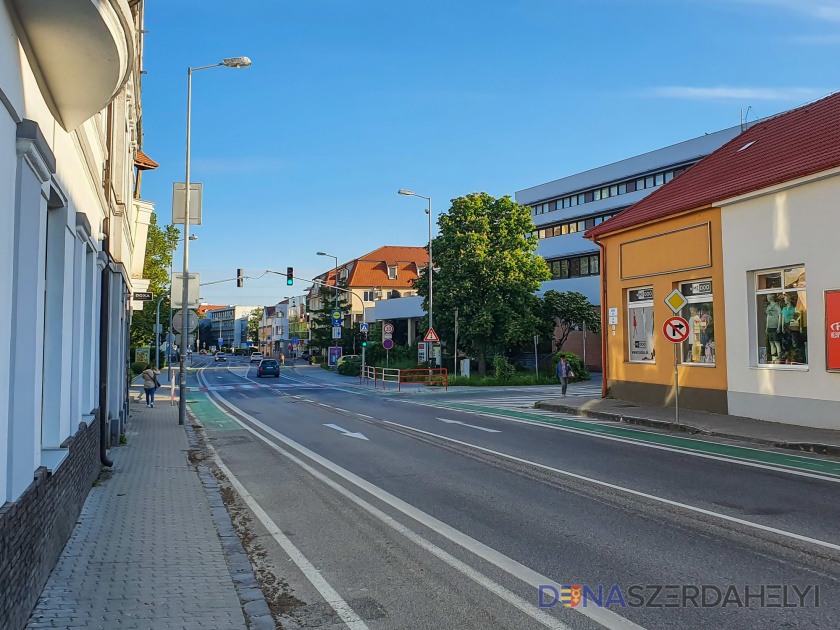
x,y
675,329
142,296
178,202
431,336
177,291
676,301
421,353
178,321
295,340
388,329
388,344
336,332
364,328
336,319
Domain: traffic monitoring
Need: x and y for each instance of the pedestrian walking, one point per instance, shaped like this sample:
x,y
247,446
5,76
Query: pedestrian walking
x,y
150,383
282,359
564,373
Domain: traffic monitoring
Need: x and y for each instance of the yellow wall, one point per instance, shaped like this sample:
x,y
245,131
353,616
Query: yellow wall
x,y
692,240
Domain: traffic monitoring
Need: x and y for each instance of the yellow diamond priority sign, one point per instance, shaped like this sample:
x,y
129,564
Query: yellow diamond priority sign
x,y
676,301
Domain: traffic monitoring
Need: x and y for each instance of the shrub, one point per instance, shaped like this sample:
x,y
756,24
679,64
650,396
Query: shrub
x,y
326,366
578,368
502,368
137,367
350,367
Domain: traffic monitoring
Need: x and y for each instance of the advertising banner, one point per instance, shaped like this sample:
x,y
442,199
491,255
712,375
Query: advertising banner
x,y
832,330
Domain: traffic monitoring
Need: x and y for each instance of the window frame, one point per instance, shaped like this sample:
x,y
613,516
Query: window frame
x,y
700,298
755,358
629,305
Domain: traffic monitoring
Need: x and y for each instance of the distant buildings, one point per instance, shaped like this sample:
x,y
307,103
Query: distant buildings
x,y
230,324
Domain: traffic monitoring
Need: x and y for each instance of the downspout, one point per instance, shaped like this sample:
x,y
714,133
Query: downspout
x,y
105,291
604,318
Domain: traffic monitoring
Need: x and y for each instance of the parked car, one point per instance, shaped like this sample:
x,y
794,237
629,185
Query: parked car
x,y
220,356
347,357
256,356
268,367
305,356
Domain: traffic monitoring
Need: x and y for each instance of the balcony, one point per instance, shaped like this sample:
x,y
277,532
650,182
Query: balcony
x,y
84,51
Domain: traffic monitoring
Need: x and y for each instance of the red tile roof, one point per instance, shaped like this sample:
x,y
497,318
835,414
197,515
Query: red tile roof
x,y
793,144
144,162
371,270
204,308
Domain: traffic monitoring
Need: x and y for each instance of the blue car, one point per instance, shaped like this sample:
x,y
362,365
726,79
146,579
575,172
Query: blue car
x,y
268,367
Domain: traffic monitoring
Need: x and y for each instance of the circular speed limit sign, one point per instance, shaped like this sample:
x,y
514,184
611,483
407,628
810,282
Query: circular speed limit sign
x,y
675,329
388,329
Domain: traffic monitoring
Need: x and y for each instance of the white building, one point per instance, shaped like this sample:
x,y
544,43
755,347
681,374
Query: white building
x,y
230,324
72,244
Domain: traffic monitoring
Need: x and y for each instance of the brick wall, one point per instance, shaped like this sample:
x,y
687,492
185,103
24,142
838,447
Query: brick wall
x,y
35,528
593,348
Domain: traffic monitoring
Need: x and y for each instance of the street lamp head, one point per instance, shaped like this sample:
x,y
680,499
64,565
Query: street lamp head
x,y
193,237
402,191
237,62
321,254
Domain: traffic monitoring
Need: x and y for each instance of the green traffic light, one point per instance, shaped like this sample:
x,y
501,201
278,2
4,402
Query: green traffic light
x,y
289,281
364,344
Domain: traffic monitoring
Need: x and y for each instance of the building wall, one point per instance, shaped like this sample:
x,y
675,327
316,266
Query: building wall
x,y
791,225
701,386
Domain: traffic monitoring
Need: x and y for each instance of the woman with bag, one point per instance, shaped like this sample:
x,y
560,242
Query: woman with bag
x,y
150,383
564,373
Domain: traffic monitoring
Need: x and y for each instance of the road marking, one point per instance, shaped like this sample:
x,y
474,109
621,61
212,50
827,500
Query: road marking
x,y
330,595
595,432
612,486
365,416
347,433
603,616
472,426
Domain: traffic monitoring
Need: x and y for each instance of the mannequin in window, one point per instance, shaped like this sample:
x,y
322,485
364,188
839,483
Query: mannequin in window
x,y
773,327
792,328
697,329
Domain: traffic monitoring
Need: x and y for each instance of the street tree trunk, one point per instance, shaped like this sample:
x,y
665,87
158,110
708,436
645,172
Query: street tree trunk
x,y
482,363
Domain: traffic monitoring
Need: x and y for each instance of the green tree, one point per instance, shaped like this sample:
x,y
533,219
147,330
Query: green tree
x,y
320,320
570,310
489,272
160,245
254,326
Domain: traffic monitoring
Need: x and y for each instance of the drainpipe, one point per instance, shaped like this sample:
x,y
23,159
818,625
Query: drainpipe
x,y
103,354
604,318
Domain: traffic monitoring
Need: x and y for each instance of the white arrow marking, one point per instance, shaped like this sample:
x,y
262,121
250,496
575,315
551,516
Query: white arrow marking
x,y
472,426
346,432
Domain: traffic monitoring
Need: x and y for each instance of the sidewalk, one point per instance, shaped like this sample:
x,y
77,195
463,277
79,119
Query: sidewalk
x,y
825,441
147,551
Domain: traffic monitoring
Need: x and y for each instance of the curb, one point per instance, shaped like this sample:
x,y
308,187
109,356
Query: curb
x,y
257,613
806,447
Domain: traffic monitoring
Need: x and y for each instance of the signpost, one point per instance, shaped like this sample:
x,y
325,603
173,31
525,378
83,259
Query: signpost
x,y
676,331
364,328
431,336
388,344
336,318
178,321
421,353
336,332
387,331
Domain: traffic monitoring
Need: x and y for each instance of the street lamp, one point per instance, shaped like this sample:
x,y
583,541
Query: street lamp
x,y
409,193
336,273
231,62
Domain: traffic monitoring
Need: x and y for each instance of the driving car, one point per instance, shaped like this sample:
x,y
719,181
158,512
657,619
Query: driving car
x,y
202,352
346,357
256,356
220,356
268,367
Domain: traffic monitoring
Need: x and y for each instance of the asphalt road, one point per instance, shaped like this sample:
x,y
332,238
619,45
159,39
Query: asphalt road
x,y
419,516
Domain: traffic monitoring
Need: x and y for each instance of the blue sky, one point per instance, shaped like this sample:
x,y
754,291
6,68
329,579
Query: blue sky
x,y
346,102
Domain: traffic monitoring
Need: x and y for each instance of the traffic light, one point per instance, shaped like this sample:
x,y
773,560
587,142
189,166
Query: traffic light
x,y
240,279
290,276
364,340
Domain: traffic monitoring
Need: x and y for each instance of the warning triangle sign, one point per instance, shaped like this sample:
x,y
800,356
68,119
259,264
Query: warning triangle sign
x,y
431,335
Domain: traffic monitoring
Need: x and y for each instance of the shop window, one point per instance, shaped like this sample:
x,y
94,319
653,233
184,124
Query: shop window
x,y
782,317
640,326
699,348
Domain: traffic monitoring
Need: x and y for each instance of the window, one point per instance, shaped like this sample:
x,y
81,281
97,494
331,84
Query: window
x,y
581,198
640,326
613,191
640,184
699,313
392,272
564,228
567,202
572,228
669,176
590,223
594,264
573,201
659,179
581,226
584,266
782,317
597,195
545,207
622,189
574,267
649,182
605,193
369,296
564,268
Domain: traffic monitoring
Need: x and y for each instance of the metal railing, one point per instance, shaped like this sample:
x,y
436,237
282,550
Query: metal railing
x,y
426,376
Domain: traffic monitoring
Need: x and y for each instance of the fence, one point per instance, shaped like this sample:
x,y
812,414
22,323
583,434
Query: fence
x,y
427,376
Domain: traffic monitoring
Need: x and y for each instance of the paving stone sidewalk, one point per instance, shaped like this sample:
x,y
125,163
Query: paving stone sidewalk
x,y
146,552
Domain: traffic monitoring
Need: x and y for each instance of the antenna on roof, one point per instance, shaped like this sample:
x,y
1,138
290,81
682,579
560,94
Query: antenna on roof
x,y
744,116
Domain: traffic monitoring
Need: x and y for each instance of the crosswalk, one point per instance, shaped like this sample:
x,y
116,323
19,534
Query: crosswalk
x,y
227,388
525,401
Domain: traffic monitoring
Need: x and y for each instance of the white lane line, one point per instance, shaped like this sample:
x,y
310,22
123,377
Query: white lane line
x,y
330,595
639,442
612,486
472,426
603,616
362,415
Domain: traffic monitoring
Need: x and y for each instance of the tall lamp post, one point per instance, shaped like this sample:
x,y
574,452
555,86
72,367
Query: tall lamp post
x,y
409,193
232,62
335,279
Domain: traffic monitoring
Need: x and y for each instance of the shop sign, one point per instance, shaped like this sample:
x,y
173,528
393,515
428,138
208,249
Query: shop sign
x,y
690,289
640,295
832,330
